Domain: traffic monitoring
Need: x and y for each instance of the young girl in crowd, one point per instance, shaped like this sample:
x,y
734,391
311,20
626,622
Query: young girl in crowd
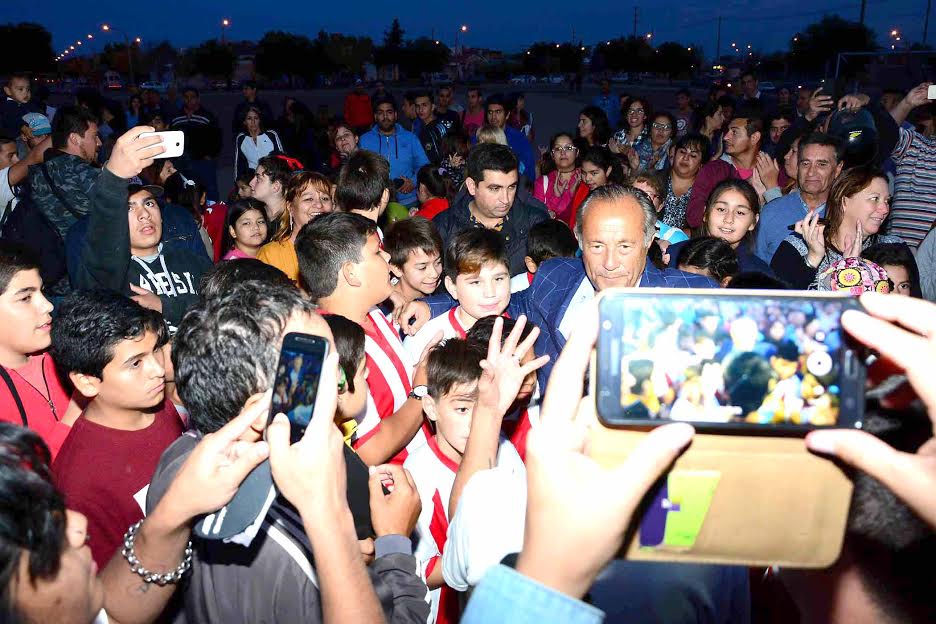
x,y
731,214
599,167
432,190
901,267
709,256
246,229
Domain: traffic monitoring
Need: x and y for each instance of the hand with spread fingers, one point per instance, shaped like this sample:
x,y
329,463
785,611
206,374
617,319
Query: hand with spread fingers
x,y
903,331
578,511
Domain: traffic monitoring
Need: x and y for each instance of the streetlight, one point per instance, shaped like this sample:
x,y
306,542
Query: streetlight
x,y
108,28
894,33
462,29
649,36
225,23
90,36
689,49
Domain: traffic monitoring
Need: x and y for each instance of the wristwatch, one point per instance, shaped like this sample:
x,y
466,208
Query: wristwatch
x,y
418,392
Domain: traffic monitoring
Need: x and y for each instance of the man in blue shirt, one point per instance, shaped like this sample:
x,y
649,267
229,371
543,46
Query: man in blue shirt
x,y
819,163
609,103
496,114
400,147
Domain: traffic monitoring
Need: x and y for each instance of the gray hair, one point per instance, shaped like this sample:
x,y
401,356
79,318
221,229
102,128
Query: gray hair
x,y
616,193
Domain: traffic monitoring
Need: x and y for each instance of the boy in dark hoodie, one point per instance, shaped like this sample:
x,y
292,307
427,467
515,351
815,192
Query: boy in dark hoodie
x,y
127,256
17,103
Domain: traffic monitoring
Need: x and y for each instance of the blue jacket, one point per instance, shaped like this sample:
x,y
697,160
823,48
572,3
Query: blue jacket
x,y
523,150
611,105
546,300
403,151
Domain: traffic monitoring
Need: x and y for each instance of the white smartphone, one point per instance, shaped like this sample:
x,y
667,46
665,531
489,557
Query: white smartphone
x,y
931,92
172,140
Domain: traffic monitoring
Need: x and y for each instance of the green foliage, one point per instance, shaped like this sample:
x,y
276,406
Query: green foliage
x,y
822,41
285,54
633,54
675,59
25,47
211,58
553,58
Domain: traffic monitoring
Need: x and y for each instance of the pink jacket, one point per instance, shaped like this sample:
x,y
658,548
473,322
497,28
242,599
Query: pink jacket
x,y
542,190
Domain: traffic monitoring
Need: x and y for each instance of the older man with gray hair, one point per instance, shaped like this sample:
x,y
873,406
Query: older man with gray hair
x,y
615,227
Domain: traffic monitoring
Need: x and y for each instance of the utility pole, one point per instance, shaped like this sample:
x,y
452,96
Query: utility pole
x,y
636,11
926,21
864,4
718,41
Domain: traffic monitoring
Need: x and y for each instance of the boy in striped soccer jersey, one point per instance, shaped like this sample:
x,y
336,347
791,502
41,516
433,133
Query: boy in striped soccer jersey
x,y
454,372
477,276
346,272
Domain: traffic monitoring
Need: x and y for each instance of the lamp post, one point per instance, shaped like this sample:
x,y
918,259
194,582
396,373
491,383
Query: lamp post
x,y
109,28
225,23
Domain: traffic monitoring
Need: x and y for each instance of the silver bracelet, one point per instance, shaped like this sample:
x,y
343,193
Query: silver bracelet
x,y
151,577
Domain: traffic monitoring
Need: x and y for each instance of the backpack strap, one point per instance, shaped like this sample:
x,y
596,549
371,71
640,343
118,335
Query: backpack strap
x,y
58,193
16,397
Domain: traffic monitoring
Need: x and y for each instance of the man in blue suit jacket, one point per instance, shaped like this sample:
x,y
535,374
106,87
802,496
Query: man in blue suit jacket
x,y
615,228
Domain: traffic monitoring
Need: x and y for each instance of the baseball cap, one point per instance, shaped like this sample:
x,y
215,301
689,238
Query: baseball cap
x,y
857,130
157,191
38,123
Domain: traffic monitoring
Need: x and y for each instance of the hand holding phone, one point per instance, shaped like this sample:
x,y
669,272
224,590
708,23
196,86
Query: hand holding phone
x,y
172,140
308,469
297,382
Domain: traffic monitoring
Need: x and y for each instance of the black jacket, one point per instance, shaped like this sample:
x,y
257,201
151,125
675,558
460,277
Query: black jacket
x,y
524,214
173,274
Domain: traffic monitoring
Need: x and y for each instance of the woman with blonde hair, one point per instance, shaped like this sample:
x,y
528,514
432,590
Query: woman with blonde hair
x,y
307,196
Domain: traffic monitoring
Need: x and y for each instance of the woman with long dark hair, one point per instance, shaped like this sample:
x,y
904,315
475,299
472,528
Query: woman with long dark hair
x,y
254,142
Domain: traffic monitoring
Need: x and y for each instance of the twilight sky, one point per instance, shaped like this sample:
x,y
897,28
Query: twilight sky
x,y
511,26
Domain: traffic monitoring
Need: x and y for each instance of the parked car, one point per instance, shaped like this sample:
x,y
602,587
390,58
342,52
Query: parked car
x,y
766,86
621,77
440,78
158,87
523,79
556,79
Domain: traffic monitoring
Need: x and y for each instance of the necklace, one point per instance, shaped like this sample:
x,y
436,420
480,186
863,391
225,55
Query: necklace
x,y
48,395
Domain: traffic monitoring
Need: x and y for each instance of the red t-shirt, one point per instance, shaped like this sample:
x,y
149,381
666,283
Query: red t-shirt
x,y
104,473
433,207
215,217
30,383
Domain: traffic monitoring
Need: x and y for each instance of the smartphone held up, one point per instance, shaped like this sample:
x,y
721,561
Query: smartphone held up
x,y
296,386
747,362
172,140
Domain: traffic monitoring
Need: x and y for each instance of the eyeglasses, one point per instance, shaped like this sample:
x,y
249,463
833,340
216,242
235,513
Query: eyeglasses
x,y
635,111
570,149
662,126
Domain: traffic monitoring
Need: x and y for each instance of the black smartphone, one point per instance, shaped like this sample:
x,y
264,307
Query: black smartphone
x,y
297,380
751,362
820,221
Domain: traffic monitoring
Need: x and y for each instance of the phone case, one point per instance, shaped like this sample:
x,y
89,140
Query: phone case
x,y
736,500
752,500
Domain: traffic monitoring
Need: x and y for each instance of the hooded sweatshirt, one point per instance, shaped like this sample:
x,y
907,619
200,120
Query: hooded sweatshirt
x,y
404,153
172,273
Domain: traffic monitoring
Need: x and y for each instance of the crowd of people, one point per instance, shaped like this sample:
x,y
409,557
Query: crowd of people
x,y
451,265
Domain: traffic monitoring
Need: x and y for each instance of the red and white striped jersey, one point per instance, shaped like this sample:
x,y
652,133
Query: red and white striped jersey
x,y
434,475
449,325
389,381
